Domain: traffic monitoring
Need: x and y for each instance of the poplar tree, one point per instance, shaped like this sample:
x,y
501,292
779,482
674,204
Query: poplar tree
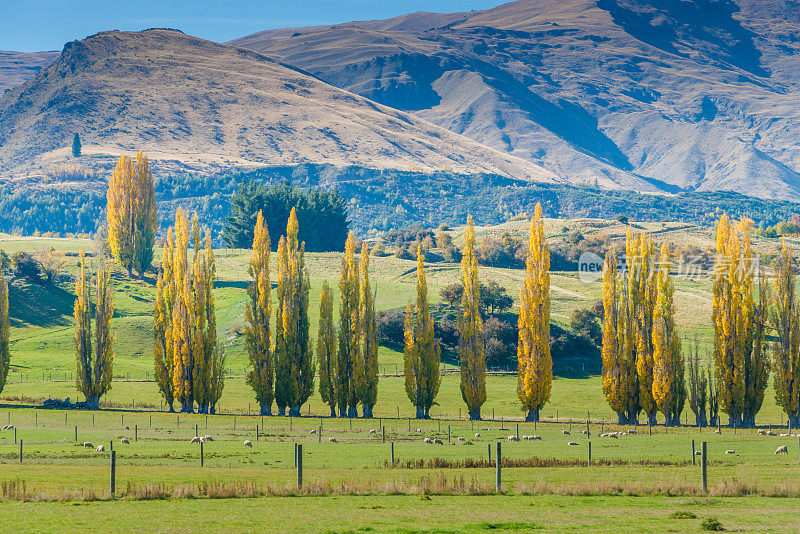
x,y
620,378
131,213
182,317
470,327
667,390
698,387
641,299
349,331
258,313
535,365
162,319
326,349
786,347
76,146
204,324
94,360
5,353
294,364
422,353
366,370
742,367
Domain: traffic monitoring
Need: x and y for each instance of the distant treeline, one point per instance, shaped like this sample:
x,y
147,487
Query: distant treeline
x,y
385,199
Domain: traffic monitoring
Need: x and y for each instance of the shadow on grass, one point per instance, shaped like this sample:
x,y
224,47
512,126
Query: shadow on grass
x,y
39,305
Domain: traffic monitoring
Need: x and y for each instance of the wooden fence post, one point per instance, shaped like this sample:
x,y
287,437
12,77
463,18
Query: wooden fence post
x,y
589,462
694,462
201,452
498,481
392,452
299,465
113,471
704,465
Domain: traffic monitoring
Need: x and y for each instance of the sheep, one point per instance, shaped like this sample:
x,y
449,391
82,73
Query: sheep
x,y
332,440
698,453
631,432
313,431
88,445
761,431
195,439
566,432
124,441
513,438
477,435
605,435
782,450
419,431
572,443
771,433
8,427
437,441
208,438
462,439
101,448
536,438
613,435
525,438
372,431
730,451
716,432
248,443
622,434
127,427
783,435
585,432
427,440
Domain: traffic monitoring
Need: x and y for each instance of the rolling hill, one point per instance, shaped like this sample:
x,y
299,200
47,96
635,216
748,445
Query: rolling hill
x,y
18,67
642,94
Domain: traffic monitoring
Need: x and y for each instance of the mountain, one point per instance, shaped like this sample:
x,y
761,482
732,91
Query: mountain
x,y
663,95
196,105
18,67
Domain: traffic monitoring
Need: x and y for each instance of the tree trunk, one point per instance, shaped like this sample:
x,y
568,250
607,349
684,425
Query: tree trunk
x,y
420,412
533,416
171,408
475,415
92,403
700,419
794,421
651,419
333,410
281,411
187,407
367,411
212,410
294,411
202,408
352,412
266,409
622,419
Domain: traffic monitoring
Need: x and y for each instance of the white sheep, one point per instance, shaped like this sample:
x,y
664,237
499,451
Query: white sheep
x,y
782,450
195,439
623,434
730,451
613,435
716,432
88,445
8,427
572,443
437,441
127,427
771,433
125,441
566,432
372,431
101,448
462,439
477,435
631,432
208,438
698,453
419,431
427,440
537,437
332,440
585,432
248,443
313,431
605,435
513,438
761,431
783,435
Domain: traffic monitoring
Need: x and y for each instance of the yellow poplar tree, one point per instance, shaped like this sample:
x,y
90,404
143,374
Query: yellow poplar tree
x,y
162,319
786,347
145,215
294,364
534,363
182,317
204,331
5,353
257,315
326,349
366,369
470,327
95,360
641,299
349,331
667,358
422,353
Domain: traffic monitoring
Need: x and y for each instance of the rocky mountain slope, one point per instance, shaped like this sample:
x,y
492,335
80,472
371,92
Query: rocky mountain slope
x,y
194,104
18,67
661,95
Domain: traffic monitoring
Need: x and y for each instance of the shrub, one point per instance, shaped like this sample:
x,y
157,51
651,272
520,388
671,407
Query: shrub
x,y
26,266
711,523
584,323
682,514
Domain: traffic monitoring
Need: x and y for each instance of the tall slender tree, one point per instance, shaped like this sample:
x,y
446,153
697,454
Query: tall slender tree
x,y
786,347
470,327
145,215
162,319
641,299
204,325
422,353
349,331
95,360
698,386
76,146
535,365
326,349
366,370
620,378
258,313
294,364
182,317
667,359
5,352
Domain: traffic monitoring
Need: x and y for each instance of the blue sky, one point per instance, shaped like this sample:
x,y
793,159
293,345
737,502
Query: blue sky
x,y
36,25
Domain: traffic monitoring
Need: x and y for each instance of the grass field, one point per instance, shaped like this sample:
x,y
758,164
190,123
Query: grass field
x,y
634,484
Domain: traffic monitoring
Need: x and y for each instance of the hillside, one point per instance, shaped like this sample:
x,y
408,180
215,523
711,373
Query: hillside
x,y
18,67
642,94
196,105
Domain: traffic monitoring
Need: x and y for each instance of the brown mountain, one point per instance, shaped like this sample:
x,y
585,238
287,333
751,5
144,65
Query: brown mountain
x,y
18,67
663,95
195,104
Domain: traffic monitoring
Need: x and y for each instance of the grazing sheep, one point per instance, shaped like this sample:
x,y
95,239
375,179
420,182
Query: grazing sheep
x,y
613,435
771,433
477,435
585,432
537,437
572,443
566,432
622,434
195,439
631,432
437,441
462,439
604,435
761,431
782,450
248,443
698,453
127,427
332,440
716,432
427,440
730,451
372,431
101,448
208,438
88,445
419,431
125,441
783,435
513,438
313,431
8,427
